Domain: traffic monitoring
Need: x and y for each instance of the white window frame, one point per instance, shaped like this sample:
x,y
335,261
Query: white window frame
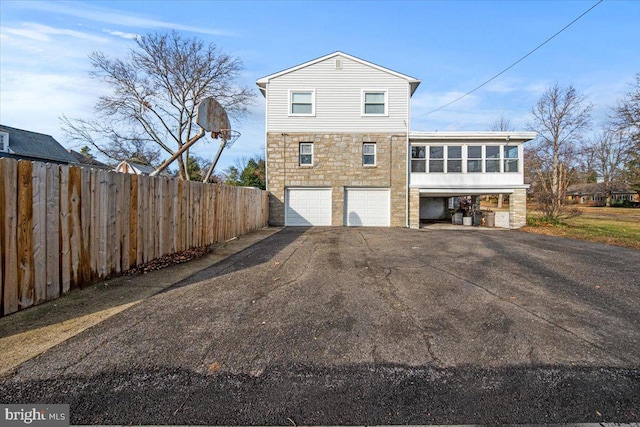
x,y
416,159
443,159
505,159
4,142
300,154
313,102
480,159
500,161
461,159
375,154
386,102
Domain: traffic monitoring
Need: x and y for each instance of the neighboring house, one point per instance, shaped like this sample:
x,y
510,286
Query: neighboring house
x,y
339,150
27,145
596,195
134,168
83,160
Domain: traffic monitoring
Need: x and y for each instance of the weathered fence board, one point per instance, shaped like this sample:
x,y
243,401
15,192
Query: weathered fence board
x,y
65,227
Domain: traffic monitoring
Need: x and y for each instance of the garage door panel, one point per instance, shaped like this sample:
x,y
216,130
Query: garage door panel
x,y
308,207
368,207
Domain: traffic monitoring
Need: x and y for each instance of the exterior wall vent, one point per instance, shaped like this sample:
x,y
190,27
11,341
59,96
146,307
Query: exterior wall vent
x,y
338,63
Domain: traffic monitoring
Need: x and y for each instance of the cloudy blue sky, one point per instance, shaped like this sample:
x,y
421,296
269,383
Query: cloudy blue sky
x,y
452,46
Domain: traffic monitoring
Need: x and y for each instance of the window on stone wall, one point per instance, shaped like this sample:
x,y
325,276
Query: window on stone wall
x,y
306,154
369,154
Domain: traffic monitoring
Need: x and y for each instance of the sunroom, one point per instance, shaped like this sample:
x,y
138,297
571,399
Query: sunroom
x,y
450,172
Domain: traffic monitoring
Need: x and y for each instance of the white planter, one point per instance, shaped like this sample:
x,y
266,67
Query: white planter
x,y
466,220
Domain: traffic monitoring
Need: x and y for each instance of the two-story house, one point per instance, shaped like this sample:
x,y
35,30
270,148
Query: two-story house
x,y
339,150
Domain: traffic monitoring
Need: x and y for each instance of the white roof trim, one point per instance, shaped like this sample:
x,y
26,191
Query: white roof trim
x,y
472,136
262,82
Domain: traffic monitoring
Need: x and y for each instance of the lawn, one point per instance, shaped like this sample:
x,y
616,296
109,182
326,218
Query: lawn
x,y
614,226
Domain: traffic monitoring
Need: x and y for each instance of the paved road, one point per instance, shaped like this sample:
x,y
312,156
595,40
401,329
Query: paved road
x,y
366,326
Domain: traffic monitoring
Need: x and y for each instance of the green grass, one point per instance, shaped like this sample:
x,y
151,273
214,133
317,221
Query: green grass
x,y
614,226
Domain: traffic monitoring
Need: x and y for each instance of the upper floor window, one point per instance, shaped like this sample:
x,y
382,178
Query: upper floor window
x,y
369,154
302,103
306,154
374,102
4,141
511,158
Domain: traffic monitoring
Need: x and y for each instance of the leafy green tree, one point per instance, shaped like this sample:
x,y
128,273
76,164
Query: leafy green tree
x,y
246,173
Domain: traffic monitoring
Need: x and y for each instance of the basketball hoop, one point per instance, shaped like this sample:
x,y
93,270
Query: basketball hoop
x,y
229,136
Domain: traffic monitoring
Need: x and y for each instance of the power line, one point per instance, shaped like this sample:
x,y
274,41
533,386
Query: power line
x,y
512,65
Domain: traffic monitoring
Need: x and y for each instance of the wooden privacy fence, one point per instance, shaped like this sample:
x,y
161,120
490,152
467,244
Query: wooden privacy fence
x,y
64,227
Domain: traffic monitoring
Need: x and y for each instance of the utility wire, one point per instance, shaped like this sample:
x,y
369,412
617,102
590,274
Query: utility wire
x,y
512,65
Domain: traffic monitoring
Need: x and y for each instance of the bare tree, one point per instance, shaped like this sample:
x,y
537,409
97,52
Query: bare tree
x,y
560,117
608,151
155,92
501,124
626,120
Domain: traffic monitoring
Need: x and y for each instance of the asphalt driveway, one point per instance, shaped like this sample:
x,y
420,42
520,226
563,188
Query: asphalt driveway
x,y
366,326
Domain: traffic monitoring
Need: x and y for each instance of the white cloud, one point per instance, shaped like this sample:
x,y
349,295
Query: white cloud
x,y
42,33
110,16
121,34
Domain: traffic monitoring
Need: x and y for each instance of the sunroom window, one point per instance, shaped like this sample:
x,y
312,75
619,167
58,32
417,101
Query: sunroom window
x,y
418,158
492,162
510,158
436,159
474,159
454,158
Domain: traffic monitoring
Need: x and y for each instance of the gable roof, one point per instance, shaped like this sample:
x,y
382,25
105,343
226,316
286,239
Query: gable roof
x,y
262,82
35,146
81,159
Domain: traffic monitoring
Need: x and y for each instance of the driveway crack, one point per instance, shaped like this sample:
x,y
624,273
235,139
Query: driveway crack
x,y
523,308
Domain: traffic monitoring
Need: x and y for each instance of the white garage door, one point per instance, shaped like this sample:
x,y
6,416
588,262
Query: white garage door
x,y
308,206
369,207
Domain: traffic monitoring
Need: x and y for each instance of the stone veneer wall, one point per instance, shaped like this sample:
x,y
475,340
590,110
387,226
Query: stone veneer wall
x,y
518,208
414,208
337,163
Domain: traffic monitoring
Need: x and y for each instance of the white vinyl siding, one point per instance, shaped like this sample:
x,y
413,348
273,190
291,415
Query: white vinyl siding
x,y
338,95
